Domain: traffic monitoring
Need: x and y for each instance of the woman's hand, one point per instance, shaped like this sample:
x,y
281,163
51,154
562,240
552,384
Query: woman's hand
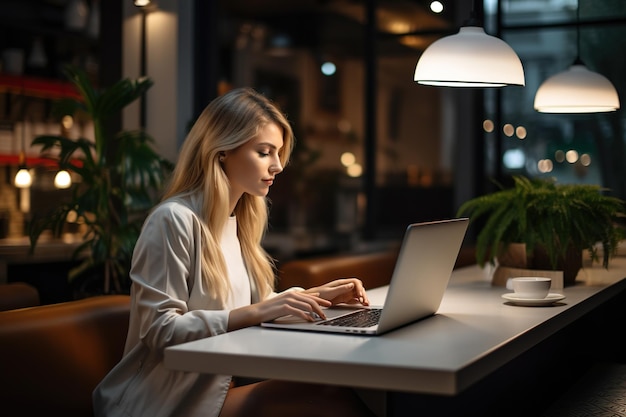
x,y
344,290
305,305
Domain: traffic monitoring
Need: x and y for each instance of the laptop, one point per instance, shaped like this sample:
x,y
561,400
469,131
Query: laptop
x,y
420,277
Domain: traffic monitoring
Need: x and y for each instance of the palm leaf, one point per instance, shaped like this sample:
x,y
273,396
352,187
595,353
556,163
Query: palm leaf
x,y
120,177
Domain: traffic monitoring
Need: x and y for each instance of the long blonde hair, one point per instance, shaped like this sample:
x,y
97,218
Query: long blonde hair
x,y
226,123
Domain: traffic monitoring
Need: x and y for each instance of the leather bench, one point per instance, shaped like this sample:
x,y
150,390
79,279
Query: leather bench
x,y
18,295
374,268
53,356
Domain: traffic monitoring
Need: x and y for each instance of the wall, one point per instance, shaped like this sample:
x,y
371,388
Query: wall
x,y
169,65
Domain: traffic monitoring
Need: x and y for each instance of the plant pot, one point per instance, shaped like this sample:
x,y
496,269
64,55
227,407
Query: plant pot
x,y
570,264
515,261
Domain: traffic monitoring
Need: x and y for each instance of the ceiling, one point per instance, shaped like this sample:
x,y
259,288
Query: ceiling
x,y
339,26
330,26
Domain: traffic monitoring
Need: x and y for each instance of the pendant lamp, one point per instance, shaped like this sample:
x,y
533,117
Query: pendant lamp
x,y
576,90
470,58
23,178
62,179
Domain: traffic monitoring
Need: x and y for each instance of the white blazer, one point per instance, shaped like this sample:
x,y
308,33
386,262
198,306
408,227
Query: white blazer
x,y
169,305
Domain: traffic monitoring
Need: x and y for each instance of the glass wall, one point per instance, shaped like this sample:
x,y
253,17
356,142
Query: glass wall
x,y
375,150
367,135
548,35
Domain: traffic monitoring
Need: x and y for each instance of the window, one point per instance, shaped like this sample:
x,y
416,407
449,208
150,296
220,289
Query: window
x,y
547,35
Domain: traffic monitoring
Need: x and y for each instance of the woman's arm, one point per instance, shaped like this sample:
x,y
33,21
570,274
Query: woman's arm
x,y
171,304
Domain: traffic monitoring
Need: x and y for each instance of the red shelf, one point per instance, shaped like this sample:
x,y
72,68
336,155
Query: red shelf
x,y
30,161
37,87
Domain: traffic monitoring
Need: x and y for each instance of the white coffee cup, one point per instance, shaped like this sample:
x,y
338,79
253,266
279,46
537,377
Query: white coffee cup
x,y
535,288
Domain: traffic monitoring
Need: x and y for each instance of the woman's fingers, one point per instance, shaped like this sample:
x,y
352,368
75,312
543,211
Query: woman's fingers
x,y
306,306
345,290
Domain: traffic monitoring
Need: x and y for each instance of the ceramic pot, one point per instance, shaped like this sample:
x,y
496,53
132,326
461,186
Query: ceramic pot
x,y
515,256
570,264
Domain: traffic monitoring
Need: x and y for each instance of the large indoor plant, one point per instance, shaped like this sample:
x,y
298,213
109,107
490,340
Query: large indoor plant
x,y
553,221
117,180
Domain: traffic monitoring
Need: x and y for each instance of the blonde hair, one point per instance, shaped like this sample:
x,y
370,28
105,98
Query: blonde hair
x,y
226,123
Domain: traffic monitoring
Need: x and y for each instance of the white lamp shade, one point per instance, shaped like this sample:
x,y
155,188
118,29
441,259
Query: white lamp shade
x,y
62,179
470,58
23,178
576,90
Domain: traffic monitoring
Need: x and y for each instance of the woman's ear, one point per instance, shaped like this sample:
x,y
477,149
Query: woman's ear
x,y
222,156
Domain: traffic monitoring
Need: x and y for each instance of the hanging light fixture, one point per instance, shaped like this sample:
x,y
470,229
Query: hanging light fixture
x,y
577,89
23,179
142,3
470,58
62,179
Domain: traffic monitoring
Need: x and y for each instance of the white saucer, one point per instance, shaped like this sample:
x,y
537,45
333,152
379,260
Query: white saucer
x,y
550,299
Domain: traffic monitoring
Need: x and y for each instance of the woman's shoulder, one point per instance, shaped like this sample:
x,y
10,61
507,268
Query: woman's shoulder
x,y
171,220
175,208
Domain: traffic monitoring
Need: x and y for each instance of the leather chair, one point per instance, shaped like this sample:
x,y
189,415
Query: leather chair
x,y
53,356
18,295
374,269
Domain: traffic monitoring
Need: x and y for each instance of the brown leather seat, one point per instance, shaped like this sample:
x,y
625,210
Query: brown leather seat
x,y
18,295
374,269
54,355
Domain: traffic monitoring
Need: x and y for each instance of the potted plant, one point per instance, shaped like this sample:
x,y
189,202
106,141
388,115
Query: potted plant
x,y
554,222
117,180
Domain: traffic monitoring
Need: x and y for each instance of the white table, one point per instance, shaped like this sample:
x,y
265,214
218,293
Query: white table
x,y
474,333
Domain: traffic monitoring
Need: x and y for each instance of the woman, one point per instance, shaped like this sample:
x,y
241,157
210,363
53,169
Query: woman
x,y
199,270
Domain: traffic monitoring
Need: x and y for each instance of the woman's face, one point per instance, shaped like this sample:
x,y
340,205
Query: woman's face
x,y
251,168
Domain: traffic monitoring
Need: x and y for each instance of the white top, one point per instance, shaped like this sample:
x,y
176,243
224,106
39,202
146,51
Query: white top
x,y
237,273
170,305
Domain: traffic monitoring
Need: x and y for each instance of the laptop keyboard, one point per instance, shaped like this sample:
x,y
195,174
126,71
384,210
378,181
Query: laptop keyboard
x,y
361,318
